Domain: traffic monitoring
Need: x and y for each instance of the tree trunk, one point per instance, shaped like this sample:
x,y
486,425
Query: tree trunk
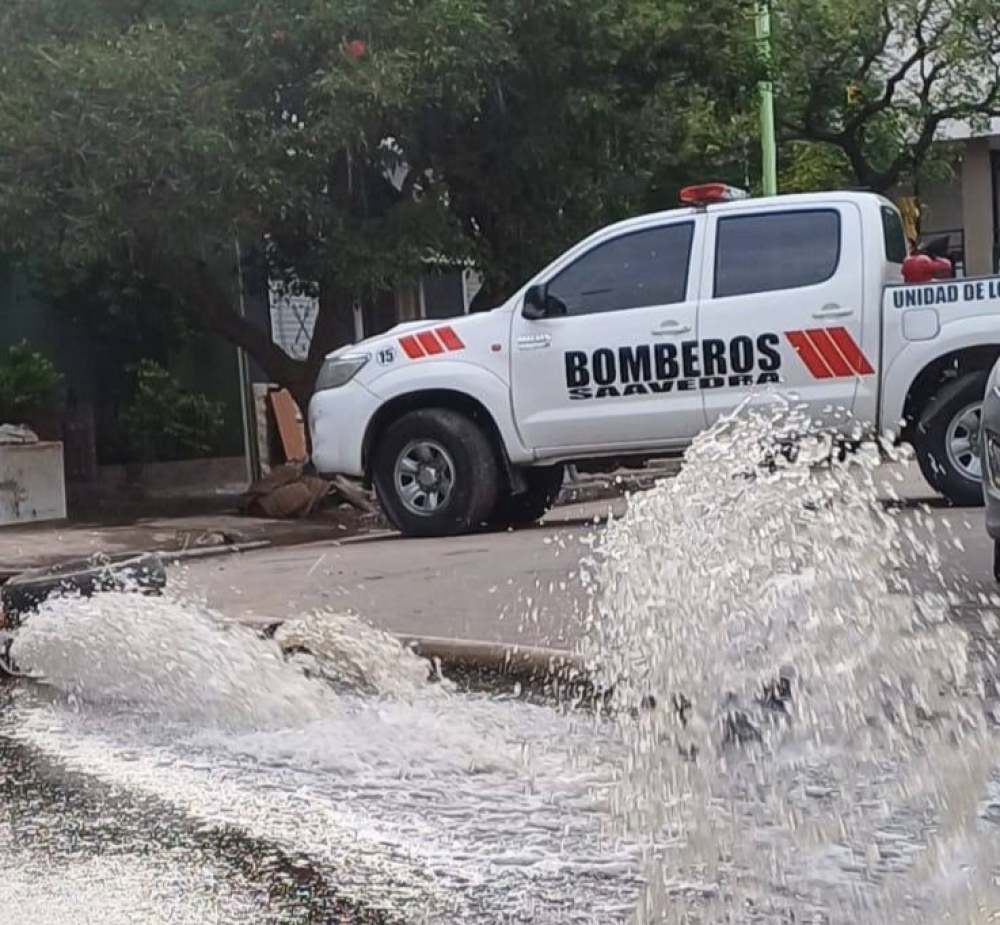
x,y
211,309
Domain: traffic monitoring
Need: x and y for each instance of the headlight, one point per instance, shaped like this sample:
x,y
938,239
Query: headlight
x,y
338,371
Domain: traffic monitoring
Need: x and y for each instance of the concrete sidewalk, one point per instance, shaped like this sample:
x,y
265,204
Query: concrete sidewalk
x,y
41,545
46,544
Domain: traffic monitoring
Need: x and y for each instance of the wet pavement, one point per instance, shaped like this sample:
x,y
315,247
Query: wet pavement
x,y
75,851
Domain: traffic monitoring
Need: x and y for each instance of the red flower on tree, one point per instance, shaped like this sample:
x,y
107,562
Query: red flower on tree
x,y
356,48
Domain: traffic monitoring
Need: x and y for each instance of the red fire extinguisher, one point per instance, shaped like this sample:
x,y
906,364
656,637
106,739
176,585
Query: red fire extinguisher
x,y
929,262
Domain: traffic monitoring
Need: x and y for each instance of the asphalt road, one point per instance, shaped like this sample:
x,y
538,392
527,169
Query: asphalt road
x,y
76,849
505,587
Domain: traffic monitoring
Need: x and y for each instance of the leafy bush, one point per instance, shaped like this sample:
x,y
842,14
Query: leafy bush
x,y
29,384
163,422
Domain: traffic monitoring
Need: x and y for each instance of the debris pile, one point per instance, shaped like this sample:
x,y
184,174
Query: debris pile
x,y
17,434
289,493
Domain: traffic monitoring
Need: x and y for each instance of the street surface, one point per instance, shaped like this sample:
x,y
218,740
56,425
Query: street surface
x,y
516,586
106,823
500,587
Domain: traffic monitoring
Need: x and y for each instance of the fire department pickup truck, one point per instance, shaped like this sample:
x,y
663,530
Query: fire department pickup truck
x,y
642,335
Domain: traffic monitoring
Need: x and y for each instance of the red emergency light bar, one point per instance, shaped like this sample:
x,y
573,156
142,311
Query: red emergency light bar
x,y
705,194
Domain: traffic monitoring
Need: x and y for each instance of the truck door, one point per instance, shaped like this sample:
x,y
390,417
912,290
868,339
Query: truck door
x,y
782,303
602,374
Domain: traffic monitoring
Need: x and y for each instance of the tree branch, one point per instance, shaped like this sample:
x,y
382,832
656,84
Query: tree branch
x,y
988,105
868,61
923,49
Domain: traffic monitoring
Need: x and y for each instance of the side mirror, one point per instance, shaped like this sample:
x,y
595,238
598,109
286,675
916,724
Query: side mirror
x,y
538,304
534,303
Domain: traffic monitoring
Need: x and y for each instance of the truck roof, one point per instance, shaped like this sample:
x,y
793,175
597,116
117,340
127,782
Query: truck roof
x,y
742,205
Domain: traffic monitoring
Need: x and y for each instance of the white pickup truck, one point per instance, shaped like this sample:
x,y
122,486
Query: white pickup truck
x,y
640,336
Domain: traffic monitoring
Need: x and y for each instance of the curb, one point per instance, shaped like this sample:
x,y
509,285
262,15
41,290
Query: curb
x,y
169,556
474,665
512,660
549,675
304,538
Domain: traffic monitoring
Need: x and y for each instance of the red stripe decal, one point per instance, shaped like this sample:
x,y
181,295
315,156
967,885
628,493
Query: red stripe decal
x,y
450,339
851,351
429,342
410,347
807,353
820,338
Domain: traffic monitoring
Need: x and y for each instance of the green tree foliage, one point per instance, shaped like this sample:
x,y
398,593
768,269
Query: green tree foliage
x,y
357,137
29,383
864,87
163,422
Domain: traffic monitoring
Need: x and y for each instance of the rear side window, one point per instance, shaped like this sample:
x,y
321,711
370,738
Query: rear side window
x,y
775,251
643,268
894,235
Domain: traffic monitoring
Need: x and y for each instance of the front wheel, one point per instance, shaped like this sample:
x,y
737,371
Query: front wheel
x,y
946,440
544,483
436,473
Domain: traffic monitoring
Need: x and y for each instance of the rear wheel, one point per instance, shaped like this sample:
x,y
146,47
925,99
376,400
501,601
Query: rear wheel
x,y
946,439
436,473
544,483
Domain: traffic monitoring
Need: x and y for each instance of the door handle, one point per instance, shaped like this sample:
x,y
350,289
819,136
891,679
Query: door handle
x,y
534,341
833,311
672,327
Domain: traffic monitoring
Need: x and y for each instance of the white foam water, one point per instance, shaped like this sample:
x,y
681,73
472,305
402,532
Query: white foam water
x,y
862,803
850,801
179,662
117,891
437,806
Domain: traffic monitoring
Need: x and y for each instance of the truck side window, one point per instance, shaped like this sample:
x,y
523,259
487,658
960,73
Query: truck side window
x,y
648,267
776,250
894,236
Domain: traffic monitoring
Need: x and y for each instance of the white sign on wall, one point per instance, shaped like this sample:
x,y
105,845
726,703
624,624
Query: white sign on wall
x,y
293,318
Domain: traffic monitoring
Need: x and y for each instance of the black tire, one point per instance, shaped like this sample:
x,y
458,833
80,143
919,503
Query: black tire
x,y
22,595
544,486
931,435
475,479
996,560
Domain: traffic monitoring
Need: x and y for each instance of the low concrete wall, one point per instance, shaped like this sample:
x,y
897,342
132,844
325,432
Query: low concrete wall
x,y
32,485
187,478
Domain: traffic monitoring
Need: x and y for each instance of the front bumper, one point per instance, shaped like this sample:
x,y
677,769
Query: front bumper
x,y
338,420
990,449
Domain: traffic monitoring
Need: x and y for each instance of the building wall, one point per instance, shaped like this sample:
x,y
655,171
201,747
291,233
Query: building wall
x,y
978,207
967,209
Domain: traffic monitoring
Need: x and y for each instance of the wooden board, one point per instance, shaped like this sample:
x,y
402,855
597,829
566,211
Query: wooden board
x,y
291,428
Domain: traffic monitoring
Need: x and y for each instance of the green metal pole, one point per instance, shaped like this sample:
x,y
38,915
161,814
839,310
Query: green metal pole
x,y
769,148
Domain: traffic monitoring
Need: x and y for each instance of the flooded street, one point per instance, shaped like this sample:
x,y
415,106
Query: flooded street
x,y
76,849
176,769
416,801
